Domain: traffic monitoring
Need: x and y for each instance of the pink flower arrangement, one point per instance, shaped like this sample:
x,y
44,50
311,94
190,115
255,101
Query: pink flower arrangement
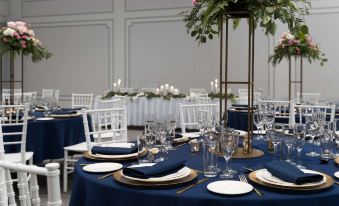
x,y
19,37
298,46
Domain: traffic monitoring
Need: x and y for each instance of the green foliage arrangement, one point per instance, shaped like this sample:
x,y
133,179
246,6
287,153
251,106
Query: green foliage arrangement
x,y
204,20
230,96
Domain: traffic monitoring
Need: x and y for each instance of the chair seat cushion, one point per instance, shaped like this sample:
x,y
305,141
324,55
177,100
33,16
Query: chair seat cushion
x,y
16,157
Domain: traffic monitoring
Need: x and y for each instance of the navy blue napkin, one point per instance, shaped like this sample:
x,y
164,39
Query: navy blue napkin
x,y
62,112
290,173
177,136
163,168
114,150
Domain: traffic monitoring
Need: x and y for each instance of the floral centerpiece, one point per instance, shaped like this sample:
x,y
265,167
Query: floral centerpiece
x,y
204,20
298,46
20,38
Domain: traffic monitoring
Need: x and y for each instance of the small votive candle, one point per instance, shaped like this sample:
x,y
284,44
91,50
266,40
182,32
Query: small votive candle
x,y
195,146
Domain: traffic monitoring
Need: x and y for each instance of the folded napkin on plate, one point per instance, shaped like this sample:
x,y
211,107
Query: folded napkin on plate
x,y
159,169
114,150
61,112
290,173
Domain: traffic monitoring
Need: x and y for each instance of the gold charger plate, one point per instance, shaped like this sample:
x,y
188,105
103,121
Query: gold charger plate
x,y
336,160
64,115
89,155
181,140
329,182
119,177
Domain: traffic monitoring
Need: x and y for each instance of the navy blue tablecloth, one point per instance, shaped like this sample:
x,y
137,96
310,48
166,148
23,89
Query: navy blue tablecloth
x,y
47,139
87,190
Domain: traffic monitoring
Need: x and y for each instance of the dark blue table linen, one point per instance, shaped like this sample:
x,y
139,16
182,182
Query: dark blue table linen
x,y
159,169
291,173
87,190
114,150
47,139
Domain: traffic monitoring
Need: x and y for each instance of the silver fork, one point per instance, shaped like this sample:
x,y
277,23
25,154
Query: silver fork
x,y
244,179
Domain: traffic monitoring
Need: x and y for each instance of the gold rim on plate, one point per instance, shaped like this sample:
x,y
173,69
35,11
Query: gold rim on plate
x,y
119,177
89,155
64,115
181,140
329,182
337,160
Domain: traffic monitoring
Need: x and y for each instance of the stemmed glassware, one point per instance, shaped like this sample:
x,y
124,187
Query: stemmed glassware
x,y
150,132
299,131
327,138
258,120
170,126
288,140
313,128
160,142
229,142
275,136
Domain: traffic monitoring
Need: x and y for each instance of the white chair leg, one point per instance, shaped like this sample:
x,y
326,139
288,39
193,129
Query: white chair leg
x,y
65,169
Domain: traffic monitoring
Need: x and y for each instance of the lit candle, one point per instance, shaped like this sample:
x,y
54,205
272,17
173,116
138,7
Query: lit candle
x,y
216,87
166,87
171,89
119,84
162,88
114,86
216,81
157,91
212,86
176,91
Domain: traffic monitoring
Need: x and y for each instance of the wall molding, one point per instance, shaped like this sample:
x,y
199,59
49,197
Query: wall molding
x,y
129,22
108,25
69,14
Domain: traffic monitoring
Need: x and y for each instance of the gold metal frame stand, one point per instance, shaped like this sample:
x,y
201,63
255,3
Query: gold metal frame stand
x,y
290,82
247,151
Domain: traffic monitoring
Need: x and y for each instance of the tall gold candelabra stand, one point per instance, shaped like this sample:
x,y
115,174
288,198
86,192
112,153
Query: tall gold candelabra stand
x,y
247,150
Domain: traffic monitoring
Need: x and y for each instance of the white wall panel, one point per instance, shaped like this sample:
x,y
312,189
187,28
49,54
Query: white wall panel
x,y
137,5
32,8
4,8
80,62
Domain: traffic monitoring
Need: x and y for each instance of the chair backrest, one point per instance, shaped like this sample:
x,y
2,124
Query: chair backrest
x,y
28,188
195,91
281,108
189,114
105,126
308,98
108,104
13,128
123,101
202,100
243,98
303,110
47,93
126,90
82,100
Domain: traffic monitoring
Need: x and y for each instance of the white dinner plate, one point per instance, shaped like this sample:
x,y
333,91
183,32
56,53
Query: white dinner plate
x,y
229,187
103,156
44,118
191,135
181,139
336,174
183,172
102,167
267,177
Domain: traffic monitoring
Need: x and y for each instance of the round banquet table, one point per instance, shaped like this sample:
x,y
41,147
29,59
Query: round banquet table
x,y
87,190
47,138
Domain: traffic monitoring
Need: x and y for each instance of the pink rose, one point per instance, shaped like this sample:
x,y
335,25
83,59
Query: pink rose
x,y
297,50
24,37
195,2
22,29
23,46
5,40
20,23
11,24
290,42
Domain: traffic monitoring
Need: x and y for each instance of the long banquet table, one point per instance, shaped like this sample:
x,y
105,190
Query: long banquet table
x,y
87,190
47,138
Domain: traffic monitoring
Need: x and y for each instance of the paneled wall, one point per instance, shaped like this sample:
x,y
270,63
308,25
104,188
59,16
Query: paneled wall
x,y
144,42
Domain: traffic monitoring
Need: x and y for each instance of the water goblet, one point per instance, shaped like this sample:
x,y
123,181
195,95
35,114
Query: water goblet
x,y
288,140
312,130
228,143
259,123
275,137
299,131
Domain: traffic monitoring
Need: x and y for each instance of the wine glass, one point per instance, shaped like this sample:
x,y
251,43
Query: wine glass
x,y
160,142
229,143
312,130
299,131
288,140
150,138
170,126
259,123
275,136
269,118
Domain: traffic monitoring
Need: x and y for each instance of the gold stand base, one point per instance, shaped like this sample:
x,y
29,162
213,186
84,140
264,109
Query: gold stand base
x,y
239,154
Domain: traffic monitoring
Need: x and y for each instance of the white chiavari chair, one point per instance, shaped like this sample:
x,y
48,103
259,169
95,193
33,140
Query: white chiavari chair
x,y
308,98
303,110
281,109
189,114
28,188
17,120
47,93
107,126
243,98
82,100
194,92
202,100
